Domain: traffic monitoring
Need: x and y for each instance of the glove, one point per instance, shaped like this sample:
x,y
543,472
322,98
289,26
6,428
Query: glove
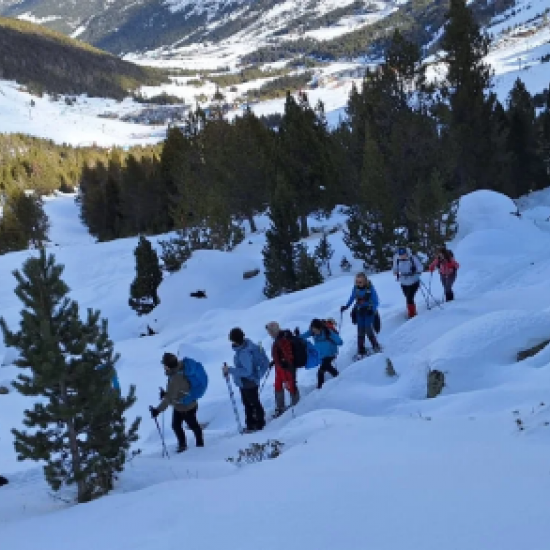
x,y
343,308
162,393
154,412
296,331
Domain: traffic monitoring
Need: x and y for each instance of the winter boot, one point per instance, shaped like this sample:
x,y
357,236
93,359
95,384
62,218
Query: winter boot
x,y
374,343
449,296
411,309
279,403
181,448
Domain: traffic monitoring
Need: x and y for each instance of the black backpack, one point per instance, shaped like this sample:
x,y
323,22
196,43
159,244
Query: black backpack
x,y
299,349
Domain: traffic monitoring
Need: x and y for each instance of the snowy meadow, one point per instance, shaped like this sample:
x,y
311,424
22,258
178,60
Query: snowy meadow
x,y
367,461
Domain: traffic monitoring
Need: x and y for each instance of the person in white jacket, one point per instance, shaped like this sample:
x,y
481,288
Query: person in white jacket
x,y
408,268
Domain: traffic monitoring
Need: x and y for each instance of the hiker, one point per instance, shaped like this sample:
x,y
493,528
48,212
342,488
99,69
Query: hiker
x,y
285,371
408,268
250,363
363,313
181,394
326,340
447,265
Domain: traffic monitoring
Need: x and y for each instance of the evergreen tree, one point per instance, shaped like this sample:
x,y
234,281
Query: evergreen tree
x,y
373,229
304,156
79,425
324,252
477,144
143,290
543,135
176,251
306,268
278,252
23,223
527,165
433,214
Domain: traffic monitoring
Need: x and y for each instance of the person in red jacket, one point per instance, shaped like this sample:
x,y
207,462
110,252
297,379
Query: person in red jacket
x,y
285,372
447,265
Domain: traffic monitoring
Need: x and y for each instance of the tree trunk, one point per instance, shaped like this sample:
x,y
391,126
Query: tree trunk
x,y
73,447
303,226
252,222
328,269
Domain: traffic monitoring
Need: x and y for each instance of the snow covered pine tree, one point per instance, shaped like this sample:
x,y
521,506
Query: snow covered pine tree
x,y
80,429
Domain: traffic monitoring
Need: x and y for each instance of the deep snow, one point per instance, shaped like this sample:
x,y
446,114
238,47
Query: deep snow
x,y
368,462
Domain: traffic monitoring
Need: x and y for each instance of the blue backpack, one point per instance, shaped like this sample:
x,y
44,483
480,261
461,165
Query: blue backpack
x,y
313,358
260,360
198,379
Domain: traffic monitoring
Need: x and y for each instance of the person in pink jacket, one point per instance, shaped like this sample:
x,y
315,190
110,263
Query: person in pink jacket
x,y
447,265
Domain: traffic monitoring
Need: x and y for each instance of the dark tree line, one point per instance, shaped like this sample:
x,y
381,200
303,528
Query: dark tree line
x,y
405,153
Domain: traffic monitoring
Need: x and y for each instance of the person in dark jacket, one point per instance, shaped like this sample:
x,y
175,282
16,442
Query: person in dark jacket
x,y
246,378
365,300
326,342
179,395
285,372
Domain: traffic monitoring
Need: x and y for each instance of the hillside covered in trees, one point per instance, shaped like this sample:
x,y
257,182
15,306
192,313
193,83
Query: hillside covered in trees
x,y
47,61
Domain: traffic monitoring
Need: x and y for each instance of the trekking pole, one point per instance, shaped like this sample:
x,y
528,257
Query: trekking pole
x,y
164,449
265,379
426,299
233,402
426,290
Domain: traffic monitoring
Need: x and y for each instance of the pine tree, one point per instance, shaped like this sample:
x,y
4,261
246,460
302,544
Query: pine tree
x,y
278,252
433,214
373,229
476,142
175,251
324,252
306,268
143,290
23,222
527,165
79,425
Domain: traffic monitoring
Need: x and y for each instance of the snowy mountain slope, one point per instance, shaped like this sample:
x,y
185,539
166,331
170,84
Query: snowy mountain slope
x,y
368,461
137,25
77,124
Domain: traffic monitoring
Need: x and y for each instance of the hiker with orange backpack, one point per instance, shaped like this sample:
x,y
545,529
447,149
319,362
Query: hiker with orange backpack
x,y
326,340
365,300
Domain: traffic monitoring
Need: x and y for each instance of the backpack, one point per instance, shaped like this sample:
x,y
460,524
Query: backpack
x,y
313,359
195,373
260,360
300,350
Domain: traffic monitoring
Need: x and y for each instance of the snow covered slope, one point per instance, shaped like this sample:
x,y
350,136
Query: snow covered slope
x,y
367,461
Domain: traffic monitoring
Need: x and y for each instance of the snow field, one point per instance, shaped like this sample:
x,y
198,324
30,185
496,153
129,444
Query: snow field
x,y
367,461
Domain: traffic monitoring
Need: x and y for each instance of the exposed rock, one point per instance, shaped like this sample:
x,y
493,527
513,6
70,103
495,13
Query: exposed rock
x,y
531,352
250,274
436,383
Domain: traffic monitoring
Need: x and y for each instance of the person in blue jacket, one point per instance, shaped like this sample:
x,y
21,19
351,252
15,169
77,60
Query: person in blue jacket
x,y
365,300
326,342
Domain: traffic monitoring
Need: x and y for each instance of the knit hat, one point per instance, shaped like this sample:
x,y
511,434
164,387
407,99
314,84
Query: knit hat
x,y
170,360
317,324
236,336
273,328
